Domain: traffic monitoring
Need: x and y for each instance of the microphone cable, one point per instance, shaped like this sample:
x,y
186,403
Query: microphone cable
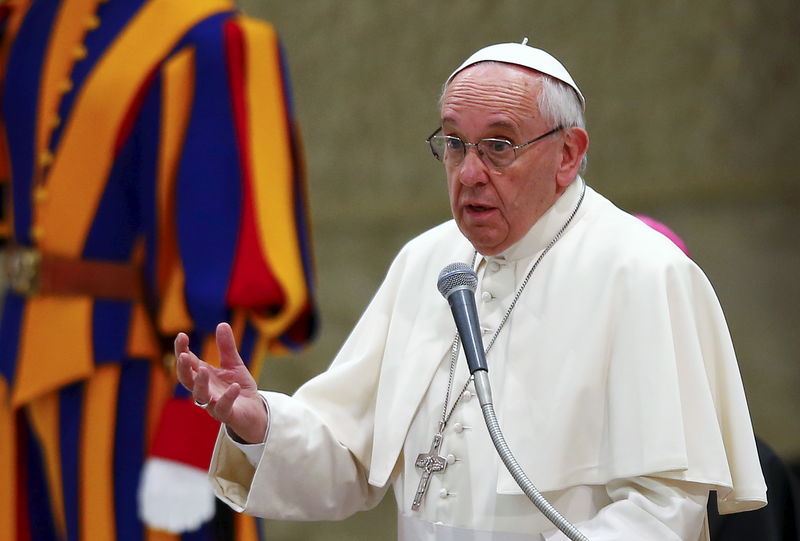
x,y
484,392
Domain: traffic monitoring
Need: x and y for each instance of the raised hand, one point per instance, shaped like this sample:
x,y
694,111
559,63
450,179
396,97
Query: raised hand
x,y
228,393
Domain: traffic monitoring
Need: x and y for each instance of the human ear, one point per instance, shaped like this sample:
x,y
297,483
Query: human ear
x,y
574,147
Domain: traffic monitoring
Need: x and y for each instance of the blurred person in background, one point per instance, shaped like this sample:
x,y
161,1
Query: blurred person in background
x,y
152,181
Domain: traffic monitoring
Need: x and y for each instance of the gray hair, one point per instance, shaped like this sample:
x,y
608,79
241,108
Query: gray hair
x,y
558,103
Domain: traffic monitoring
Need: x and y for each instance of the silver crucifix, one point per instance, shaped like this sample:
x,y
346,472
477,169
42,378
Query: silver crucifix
x,y
430,462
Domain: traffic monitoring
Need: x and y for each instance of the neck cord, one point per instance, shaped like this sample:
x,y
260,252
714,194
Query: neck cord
x,y
454,349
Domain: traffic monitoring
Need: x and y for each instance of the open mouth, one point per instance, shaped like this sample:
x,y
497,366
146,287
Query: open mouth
x,y
478,208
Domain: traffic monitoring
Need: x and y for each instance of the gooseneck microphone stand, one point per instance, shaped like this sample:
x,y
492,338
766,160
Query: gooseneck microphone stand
x,y
484,391
457,283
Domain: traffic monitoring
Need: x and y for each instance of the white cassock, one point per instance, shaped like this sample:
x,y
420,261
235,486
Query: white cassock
x,y
614,381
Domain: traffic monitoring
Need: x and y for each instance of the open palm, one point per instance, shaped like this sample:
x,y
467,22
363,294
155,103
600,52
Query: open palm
x,y
228,392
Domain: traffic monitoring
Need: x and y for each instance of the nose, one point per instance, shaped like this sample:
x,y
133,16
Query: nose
x,y
472,169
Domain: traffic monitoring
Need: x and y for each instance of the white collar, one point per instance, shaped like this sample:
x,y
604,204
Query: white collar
x,y
545,228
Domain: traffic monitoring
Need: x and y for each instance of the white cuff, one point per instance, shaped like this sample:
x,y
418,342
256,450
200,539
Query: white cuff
x,y
252,451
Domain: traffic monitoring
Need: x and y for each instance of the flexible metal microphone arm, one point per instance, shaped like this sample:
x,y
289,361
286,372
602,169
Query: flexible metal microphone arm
x,y
484,392
457,283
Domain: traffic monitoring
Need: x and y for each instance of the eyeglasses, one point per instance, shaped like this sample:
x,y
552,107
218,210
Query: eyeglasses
x,y
501,153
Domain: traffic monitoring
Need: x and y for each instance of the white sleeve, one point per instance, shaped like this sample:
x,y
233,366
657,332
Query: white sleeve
x,y
646,508
302,472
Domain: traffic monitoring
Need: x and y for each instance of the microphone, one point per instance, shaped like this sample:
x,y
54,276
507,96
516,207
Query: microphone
x,y
457,283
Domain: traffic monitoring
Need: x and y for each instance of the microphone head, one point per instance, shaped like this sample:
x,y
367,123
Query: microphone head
x,y
456,276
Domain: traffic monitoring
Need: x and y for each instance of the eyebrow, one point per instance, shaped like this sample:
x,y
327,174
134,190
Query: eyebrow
x,y
495,124
502,124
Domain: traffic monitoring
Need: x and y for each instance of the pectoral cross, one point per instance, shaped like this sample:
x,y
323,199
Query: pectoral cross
x,y
430,462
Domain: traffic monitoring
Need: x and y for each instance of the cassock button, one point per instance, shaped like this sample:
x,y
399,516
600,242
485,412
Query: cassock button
x,y
458,427
466,395
486,296
494,266
451,458
443,493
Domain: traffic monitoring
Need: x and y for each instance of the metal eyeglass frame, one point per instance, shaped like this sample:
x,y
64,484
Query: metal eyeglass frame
x,y
466,144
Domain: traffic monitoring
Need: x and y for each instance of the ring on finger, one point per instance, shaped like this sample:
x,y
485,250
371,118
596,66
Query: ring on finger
x,y
201,405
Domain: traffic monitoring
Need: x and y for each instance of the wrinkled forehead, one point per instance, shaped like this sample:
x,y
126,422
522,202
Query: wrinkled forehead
x,y
493,86
491,73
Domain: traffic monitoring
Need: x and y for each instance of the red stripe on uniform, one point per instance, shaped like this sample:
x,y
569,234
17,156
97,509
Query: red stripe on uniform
x,y
23,533
252,283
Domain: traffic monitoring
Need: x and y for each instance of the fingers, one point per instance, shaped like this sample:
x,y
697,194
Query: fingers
x,y
192,372
250,422
181,344
223,406
196,375
184,365
201,391
187,367
228,354
185,371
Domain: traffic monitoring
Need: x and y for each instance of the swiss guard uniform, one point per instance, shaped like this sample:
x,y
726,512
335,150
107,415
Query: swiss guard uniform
x,y
151,182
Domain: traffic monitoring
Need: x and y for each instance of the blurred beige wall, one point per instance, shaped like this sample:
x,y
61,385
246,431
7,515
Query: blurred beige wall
x,y
693,117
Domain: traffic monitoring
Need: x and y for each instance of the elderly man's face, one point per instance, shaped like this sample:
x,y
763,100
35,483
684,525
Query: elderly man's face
x,y
494,208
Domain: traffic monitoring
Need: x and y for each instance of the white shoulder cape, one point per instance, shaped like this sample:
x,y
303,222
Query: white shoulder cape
x,y
623,365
